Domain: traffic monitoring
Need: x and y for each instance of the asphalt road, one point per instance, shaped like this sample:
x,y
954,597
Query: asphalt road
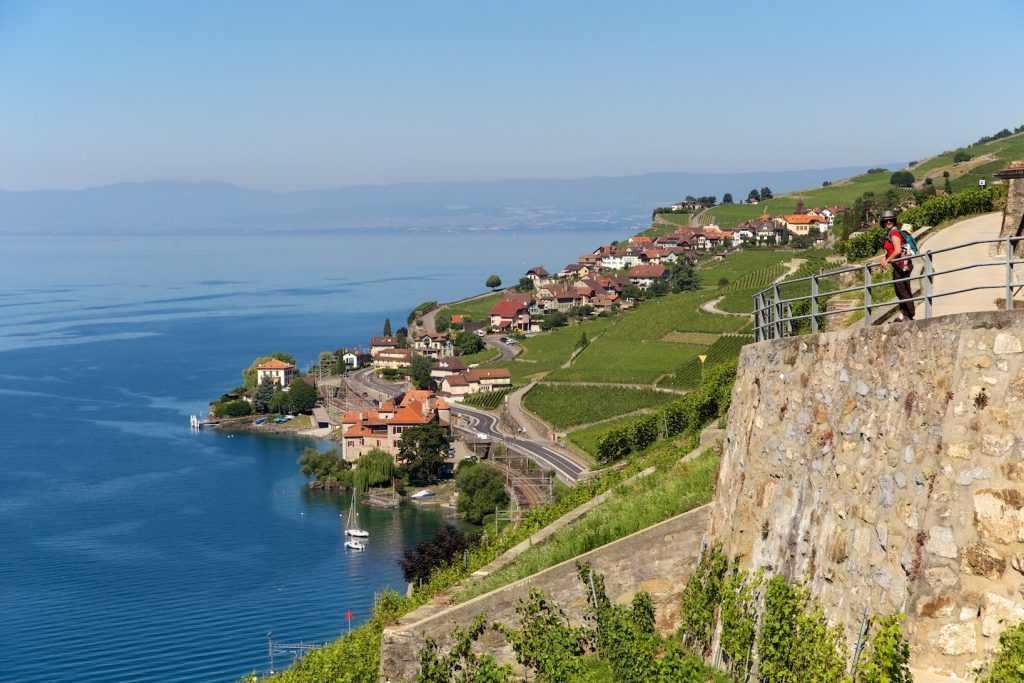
x,y
508,352
566,469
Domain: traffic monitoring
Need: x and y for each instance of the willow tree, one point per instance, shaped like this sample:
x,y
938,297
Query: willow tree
x,y
373,468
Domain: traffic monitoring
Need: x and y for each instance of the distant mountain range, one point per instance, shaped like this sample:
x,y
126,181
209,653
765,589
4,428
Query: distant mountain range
x,y
188,207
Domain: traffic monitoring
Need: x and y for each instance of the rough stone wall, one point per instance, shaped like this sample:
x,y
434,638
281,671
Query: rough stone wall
x,y
885,467
1013,215
658,559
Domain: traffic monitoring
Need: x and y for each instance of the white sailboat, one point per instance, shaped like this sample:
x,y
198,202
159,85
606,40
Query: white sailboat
x,y
354,544
352,523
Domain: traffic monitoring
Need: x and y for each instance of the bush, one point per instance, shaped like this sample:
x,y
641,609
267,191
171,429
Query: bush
x,y
329,468
301,396
902,179
481,490
1009,663
237,408
865,245
961,157
949,206
447,544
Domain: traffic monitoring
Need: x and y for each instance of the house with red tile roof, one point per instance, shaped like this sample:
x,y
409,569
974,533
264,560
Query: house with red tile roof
x,y
645,275
510,315
476,381
446,367
363,430
433,345
392,358
382,342
279,372
804,223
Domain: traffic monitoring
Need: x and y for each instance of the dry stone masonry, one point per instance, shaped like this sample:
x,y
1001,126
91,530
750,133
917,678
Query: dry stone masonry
x,y
886,468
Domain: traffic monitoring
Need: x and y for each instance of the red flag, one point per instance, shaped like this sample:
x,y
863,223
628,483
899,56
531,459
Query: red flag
x,y
348,614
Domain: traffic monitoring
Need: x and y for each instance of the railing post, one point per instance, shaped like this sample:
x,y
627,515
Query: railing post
x,y
778,312
867,295
1009,273
788,325
814,304
929,283
757,317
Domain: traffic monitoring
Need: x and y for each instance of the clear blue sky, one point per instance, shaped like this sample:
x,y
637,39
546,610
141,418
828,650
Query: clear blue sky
x,y
318,94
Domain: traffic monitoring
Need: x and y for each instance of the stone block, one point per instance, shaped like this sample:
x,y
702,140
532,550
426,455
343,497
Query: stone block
x,y
1014,471
994,445
940,542
998,614
1006,343
940,578
981,560
958,639
999,514
938,608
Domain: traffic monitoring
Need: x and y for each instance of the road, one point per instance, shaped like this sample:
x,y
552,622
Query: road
x,y
366,381
565,468
508,352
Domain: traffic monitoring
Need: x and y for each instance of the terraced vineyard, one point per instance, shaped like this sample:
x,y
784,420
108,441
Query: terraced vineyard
x,y
488,400
568,406
688,375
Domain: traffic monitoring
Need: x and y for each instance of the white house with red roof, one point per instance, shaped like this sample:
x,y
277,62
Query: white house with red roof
x,y
434,345
538,273
392,358
363,430
476,381
279,372
510,315
800,224
645,275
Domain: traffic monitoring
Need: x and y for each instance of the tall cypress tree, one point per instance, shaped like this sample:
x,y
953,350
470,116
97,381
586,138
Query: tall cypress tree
x,y
387,327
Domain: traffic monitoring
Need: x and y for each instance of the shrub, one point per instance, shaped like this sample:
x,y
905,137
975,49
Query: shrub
x,y
949,206
865,245
481,490
1009,663
445,546
236,408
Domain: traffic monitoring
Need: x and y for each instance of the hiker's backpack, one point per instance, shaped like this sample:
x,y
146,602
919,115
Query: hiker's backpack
x,y
909,243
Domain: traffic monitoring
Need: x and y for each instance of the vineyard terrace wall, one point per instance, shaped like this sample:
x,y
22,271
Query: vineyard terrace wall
x,y
658,560
885,467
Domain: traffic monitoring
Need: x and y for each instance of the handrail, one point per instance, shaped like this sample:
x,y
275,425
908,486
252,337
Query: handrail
x,y
775,317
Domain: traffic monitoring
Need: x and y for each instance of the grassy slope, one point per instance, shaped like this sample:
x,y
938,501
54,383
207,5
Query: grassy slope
x,y
477,309
568,406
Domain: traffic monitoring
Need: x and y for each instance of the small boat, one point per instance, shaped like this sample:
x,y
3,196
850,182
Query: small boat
x,y
354,544
352,522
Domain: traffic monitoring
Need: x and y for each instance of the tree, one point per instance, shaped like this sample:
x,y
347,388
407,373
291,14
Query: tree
x,y
467,343
326,467
727,198
631,291
493,281
683,277
723,282
279,403
301,396
237,408
659,288
961,156
264,394
902,179
754,196
373,468
421,452
442,320
766,193
249,374
525,284
445,545
387,327
481,490
553,319
420,371
947,187
581,312
582,342
401,340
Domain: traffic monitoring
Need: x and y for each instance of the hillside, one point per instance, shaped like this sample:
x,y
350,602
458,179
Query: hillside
x,y
986,159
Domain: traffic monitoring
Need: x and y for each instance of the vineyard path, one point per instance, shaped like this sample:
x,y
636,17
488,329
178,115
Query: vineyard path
x,y
711,306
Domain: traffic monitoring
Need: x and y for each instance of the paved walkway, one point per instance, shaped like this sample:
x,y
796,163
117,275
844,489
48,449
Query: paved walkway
x,y
978,228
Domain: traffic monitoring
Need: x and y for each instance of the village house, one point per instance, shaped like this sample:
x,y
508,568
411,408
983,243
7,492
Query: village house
x,y
392,358
643,276
510,315
574,270
458,320
279,372
438,345
686,205
476,381
355,359
657,255
537,273
742,234
446,367
618,259
800,224
593,261
640,242
382,342
557,298
363,430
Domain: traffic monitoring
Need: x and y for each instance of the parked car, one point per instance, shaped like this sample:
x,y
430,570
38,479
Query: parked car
x,y
481,333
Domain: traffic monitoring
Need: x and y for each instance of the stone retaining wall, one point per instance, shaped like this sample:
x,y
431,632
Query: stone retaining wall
x,y
885,467
658,559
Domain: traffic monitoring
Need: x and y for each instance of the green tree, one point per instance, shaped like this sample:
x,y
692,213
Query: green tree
x,y
238,408
442,320
421,452
387,327
659,288
301,396
582,342
481,490
766,193
249,374
420,371
553,319
683,277
947,187
493,281
525,284
754,196
279,403
723,282
326,467
402,339
264,394
902,179
467,343
375,467
727,198
961,157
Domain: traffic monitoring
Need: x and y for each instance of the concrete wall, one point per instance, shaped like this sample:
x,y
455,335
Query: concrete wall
x,y
658,559
885,467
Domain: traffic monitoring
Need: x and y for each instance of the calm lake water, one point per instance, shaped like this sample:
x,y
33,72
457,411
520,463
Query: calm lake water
x,y
134,550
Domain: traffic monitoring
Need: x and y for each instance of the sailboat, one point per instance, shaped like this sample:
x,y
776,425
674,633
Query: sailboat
x,y
352,523
354,544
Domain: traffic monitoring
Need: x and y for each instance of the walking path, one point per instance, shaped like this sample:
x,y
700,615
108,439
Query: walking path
x,y
711,306
978,228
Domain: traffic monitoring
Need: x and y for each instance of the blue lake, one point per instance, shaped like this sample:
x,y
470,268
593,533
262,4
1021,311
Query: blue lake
x,y
135,550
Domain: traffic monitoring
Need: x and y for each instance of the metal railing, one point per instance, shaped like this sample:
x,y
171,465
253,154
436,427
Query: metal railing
x,y
780,313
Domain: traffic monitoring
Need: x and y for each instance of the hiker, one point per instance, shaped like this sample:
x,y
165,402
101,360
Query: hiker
x,y
895,247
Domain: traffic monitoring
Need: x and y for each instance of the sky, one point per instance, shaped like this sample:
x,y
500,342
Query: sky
x,y
303,95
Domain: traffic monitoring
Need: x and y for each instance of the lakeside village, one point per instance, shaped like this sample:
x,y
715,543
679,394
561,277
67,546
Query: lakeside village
x,y
361,398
